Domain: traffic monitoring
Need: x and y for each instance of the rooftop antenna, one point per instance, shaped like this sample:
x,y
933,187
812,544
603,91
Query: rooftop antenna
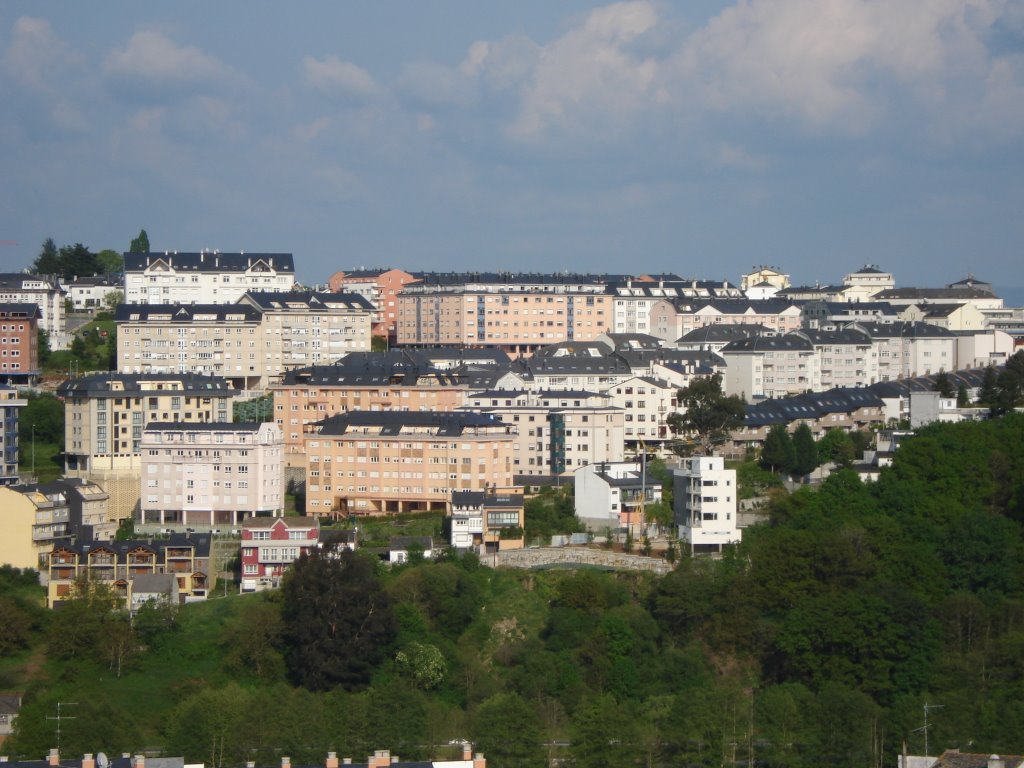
x,y
927,708
60,717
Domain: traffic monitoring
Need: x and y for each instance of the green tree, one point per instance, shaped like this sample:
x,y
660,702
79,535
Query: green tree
x,y
805,451
988,391
77,260
507,730
836,447
943,385
963,398
603,733
338,621
140,244
253,639
46,413
48,261
707,416
112,299
778,453
110,261
44,346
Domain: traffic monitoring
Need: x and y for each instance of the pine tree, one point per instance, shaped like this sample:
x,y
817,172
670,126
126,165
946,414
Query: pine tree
x,y
805,451
778,453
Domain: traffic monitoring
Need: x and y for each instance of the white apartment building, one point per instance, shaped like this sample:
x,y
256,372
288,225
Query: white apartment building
x,y
615,494
207,277
250,343
17,288
672,319
705,499
645,403
555,431
212,474
906,350
771,367
846,358
865,284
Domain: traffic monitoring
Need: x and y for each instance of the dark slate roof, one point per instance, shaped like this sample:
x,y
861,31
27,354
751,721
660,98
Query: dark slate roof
x,y
310,300
392,422
477,499
515,278
841,336
903,330
869,269
134,384
717,332
203,426
63,486
210,261
21,311
810,406
201,542
406,367
16,281
970,378
933,293
769,344
94,280
772,306
186,313
627,342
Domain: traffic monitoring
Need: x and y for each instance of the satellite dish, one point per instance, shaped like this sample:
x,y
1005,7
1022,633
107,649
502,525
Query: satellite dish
x,y
102,761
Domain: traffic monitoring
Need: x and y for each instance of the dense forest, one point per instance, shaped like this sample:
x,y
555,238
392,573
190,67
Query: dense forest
x,y
818,641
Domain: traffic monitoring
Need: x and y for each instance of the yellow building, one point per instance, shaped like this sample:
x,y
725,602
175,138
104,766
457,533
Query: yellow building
x,y
17,530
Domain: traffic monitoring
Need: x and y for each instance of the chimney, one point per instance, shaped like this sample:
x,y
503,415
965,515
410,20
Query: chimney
x,y
994,761
346,761
53,758
286,762
88,761
479,761
381,758
467,751
250,764
332,760
394,759
139,761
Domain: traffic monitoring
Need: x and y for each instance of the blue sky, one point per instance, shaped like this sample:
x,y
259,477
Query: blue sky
x,y
700,138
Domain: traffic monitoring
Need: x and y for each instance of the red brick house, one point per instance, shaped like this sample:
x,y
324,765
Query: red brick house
x,y
271,544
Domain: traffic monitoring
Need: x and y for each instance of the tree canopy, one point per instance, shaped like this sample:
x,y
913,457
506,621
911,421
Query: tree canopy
x,y
140,244
708,415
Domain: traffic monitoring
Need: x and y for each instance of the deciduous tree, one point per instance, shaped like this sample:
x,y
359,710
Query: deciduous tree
x,y
707,417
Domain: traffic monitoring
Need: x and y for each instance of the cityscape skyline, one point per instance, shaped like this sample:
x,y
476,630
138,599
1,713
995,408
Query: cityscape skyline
x,y
582,137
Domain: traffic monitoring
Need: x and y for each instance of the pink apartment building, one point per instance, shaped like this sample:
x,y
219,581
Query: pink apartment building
x,y
210,474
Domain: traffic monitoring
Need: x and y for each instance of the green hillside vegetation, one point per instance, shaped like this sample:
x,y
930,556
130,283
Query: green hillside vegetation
x,y
816,642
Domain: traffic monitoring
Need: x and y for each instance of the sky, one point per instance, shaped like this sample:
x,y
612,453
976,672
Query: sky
x,y
700,138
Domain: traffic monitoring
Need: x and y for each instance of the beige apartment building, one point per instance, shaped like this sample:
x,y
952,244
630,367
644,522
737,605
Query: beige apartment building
x,y
210,475
671,320
435,380
388,462
516,313
250,343
105,414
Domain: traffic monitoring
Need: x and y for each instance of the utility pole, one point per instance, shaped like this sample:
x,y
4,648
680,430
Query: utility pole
x,y
60,717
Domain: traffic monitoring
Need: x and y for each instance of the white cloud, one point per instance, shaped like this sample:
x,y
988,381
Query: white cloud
x,y
152,60
332,75
41,64
308,131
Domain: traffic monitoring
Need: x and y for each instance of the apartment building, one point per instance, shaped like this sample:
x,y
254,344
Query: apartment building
x,y
713,338
19,343
672,319
250,343
388,462
37,516
645,402
555,431
397,380
381,288
906,350
633,299
10,406
771,366
105,414
705,499
866,284
270,545
207,277
575,365
487,521
210,475
518,313
979,298
764,275
92,292
615,494
43,291
846,357
115,564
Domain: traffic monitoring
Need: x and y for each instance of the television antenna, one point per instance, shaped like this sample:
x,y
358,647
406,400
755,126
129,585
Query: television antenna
x,y
60,717
924,729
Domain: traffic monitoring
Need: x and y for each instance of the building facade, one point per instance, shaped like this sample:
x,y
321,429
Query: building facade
x,y
770,366
207,277
705,498
615,495
381,288
10,406
19,343
215,474
387,462
251,343
486,521
271,544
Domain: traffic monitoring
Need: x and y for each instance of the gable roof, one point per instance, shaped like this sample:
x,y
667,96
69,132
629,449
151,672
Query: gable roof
x,y
210,261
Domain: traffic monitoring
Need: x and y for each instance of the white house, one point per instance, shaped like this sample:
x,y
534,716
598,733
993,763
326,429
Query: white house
x,y
208,277
614,494
705,495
